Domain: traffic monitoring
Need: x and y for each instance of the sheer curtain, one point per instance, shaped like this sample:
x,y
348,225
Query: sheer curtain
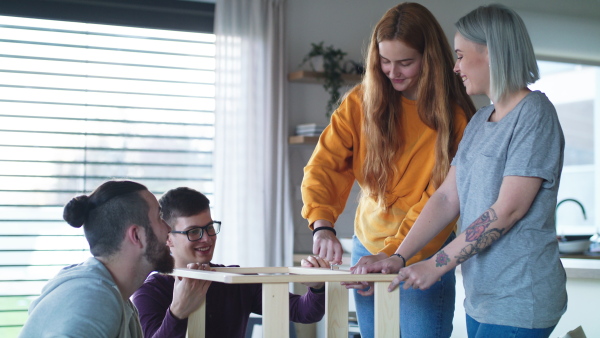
x,y
252,196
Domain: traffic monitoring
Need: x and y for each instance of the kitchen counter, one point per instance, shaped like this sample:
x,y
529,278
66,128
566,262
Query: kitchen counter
x,y
595,255
582,267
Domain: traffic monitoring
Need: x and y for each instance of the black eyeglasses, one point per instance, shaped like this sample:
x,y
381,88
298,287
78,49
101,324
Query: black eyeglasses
x,y
196,233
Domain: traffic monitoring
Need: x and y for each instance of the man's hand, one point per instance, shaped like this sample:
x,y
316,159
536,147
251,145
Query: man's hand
x,y
326,245
314,262
189,293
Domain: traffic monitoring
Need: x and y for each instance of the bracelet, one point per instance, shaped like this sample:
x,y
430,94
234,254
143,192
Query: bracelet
x,y
399,255
324,228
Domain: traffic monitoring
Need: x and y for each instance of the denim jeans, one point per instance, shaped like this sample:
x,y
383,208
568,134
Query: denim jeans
x,y
423,313
476,329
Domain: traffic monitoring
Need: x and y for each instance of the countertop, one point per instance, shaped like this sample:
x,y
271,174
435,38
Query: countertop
x,y
582,267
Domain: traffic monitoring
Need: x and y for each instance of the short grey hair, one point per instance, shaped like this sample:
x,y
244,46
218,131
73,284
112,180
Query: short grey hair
x,y
512,60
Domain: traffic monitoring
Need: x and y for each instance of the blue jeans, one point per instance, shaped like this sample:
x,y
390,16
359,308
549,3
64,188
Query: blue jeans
x,y
476,329
423,313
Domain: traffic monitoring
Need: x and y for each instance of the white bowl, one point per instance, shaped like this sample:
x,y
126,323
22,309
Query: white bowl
x,y
573,247
346,244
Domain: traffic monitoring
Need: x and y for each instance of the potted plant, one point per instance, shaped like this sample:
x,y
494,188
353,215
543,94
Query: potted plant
x,y
332,71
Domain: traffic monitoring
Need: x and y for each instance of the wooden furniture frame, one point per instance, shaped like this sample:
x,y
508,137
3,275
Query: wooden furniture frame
x,y
275,298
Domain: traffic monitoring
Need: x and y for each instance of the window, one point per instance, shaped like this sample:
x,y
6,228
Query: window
x,y
574,89
80,104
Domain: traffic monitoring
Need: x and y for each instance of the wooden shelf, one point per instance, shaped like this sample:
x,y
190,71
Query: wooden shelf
x,y
304,76
300,139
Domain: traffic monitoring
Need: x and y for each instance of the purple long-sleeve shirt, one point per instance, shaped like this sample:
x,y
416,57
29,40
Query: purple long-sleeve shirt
x,y
228,308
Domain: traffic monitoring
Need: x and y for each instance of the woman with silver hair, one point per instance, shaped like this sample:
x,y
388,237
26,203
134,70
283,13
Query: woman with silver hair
x,y
504,182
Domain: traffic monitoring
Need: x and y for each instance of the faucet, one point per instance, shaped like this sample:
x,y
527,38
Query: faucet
x,y
569,200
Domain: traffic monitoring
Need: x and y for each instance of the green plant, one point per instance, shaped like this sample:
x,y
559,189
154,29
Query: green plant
x,y
332,71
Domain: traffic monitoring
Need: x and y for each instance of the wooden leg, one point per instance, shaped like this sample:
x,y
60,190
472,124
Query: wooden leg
x,y
196,321
387,311
336,310
276,310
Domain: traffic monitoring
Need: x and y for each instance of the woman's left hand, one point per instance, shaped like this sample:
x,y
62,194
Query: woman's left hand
x,y
359,268
314,262
368,260
419,276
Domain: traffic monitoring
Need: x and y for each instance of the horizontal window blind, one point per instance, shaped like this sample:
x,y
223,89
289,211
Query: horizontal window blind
x,y
81,104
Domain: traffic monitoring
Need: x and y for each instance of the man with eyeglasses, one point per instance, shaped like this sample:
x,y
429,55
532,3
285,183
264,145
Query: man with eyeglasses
x,y
164,303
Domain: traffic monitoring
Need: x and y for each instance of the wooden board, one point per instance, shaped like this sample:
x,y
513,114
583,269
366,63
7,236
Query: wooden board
x,y
279,275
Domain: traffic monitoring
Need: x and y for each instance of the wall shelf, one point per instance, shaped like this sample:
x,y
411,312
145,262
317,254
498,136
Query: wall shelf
x,y
300,139
304,76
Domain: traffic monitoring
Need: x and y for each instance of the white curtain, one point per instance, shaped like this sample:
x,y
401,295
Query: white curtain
x,y
252,196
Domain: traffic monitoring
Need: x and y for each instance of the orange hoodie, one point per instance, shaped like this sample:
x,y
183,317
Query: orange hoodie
x,y
337,161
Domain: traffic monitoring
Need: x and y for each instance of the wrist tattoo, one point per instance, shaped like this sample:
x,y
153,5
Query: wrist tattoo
x,y
441,259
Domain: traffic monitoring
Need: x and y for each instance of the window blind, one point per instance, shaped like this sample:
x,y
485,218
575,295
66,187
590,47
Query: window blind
x,y
81,104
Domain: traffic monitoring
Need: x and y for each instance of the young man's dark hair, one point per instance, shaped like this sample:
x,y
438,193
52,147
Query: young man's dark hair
x,y
182,202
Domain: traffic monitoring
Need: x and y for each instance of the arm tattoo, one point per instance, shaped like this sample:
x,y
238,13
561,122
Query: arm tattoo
x,y
441,259
477,232
477,228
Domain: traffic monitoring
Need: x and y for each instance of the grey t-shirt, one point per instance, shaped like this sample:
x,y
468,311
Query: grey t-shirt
x,y
519,280
82,300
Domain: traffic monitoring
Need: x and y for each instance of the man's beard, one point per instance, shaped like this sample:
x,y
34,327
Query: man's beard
x,y
159,255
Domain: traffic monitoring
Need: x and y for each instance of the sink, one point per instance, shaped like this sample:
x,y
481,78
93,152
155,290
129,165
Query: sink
x,y
574,247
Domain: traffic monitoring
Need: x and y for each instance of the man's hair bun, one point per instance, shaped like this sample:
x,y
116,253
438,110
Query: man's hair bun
x,y
76,211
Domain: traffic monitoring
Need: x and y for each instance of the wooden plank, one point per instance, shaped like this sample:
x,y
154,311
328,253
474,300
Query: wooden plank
x,y
201,274
253,270
196,322
336,310
387,311
301,275
276,310
305,76
244,279
316,271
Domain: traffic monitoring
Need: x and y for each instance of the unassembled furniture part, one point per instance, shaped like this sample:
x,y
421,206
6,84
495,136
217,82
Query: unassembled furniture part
x,y
275,297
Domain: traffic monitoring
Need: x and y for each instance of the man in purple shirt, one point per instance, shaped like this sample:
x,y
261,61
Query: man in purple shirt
x,y
164,302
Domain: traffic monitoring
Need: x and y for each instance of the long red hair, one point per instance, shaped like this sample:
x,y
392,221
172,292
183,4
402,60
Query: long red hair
x,y
439,92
